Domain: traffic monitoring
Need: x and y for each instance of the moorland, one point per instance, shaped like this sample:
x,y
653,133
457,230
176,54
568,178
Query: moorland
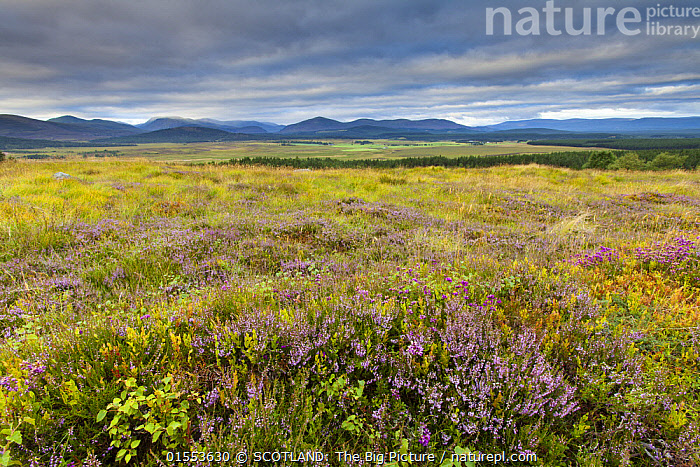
x,y
150,307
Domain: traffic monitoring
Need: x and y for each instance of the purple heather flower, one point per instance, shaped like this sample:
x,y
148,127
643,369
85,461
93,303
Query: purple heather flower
x,y
9,383
425,438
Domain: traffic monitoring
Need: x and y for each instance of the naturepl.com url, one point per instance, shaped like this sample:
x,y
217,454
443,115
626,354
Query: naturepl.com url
x,y
492,458
461,456
446,458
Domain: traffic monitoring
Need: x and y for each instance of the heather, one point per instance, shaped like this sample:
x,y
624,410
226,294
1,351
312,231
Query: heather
x,y
149,308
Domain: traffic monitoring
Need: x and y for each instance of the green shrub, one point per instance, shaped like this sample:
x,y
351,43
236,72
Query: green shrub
x,y
666,161
628,161
600,160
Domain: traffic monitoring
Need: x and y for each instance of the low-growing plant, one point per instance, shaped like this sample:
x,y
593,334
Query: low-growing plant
x,y
161,415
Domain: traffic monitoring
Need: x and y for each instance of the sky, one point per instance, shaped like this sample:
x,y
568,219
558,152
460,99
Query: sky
x,y
287,61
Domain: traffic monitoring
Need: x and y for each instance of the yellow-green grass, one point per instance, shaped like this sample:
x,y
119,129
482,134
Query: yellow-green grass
x,y
127,184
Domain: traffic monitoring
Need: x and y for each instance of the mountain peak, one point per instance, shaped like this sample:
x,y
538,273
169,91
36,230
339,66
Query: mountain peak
x,y
327,124
66,119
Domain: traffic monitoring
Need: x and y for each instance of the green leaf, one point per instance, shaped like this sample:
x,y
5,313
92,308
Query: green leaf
x,y
135,444
101,415
16,437
462,453
360,389
351,424
404,446
156,435
171,428
121,453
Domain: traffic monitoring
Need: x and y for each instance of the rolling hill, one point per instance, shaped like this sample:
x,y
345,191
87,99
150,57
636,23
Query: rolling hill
x,y
322,124
233,126
16,126
183,134
66,128
101,128
606,125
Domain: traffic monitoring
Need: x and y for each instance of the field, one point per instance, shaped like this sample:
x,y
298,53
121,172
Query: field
x,y
150,309
206,152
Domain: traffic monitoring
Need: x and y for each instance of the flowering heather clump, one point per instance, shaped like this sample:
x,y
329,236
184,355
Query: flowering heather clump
x,y
678,255
601,256
418,310
9,383
403,216
663,198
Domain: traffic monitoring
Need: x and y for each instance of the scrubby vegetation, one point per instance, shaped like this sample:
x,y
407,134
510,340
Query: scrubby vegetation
x,y
148,309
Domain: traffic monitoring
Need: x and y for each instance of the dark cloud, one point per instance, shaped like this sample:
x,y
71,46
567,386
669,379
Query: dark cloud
x,y
284,61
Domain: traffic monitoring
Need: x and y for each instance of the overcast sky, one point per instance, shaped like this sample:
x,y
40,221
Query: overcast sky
x,y
291,60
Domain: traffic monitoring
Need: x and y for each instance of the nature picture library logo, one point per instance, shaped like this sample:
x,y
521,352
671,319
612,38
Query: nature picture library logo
x,y
657,20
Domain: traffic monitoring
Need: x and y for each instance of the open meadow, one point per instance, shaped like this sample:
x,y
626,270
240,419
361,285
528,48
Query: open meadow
x,y
149,310
336,149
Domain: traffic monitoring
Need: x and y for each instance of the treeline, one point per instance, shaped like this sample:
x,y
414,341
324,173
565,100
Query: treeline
x,y
650,160
628,144
8,143
103,153
301,141
43,156
573,160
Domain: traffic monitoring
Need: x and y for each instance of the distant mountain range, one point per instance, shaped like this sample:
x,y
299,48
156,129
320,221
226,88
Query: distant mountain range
x,y
25,132
183,134
321,124
610,125
232,126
